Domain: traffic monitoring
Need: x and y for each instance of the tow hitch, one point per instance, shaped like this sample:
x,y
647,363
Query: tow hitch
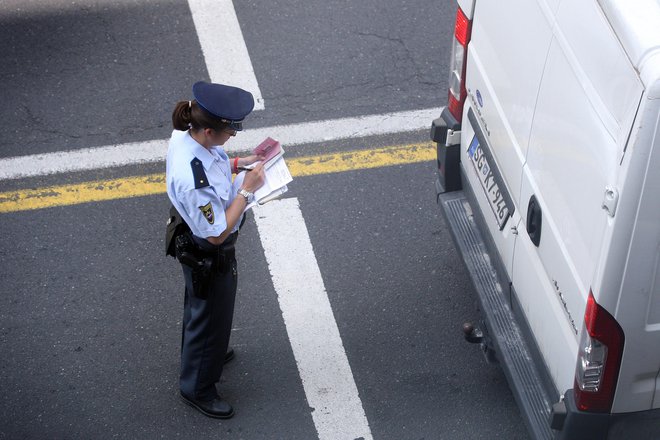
x,y
475,335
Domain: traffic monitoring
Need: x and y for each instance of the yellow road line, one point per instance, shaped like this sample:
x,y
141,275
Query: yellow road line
x,y
101,190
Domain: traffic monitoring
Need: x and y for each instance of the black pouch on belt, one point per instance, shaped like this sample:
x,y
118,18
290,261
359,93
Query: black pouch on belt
x,y
175,227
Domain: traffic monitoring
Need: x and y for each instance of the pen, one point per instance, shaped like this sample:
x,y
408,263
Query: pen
x,y
244,169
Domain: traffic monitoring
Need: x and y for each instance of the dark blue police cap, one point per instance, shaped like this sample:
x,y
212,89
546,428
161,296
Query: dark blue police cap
x,y
230,104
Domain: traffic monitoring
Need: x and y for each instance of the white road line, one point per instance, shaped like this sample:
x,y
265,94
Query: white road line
x,y
326,375
225,52
156,151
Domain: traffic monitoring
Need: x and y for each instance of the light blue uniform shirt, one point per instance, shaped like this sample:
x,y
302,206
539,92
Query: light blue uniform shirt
x,y
202,209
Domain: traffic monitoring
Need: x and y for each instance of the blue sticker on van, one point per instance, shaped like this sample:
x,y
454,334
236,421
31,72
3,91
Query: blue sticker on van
x,y
473,146
480,99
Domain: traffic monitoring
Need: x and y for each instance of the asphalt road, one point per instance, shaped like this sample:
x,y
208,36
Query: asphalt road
x,y
90,309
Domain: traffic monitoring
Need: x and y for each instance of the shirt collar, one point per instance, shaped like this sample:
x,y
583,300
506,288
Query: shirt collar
x,y
207,157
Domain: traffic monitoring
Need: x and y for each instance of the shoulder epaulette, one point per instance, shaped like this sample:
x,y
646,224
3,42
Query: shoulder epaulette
x,y
198,173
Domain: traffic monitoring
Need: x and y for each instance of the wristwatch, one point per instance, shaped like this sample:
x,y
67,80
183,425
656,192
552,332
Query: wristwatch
x,y
247,194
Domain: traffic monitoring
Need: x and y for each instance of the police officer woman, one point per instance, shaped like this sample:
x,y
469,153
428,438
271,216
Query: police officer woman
x,y
199,185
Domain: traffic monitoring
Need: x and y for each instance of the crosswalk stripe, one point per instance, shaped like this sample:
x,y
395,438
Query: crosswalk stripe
x,y
102,190
225,53
327,379
290,136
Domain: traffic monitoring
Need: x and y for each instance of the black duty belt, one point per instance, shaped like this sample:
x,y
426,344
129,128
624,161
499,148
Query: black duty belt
x,y
199,254
207,249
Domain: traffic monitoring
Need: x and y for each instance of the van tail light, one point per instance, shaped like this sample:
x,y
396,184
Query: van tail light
x,y
457,92
599,359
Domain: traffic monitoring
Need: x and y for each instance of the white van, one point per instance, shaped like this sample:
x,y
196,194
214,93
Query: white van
x,y
549,177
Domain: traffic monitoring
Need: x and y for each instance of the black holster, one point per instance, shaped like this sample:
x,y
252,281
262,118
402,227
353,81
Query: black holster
x,y
187,253
204,260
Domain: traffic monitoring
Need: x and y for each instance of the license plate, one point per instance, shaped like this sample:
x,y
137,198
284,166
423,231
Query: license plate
x,y
488,182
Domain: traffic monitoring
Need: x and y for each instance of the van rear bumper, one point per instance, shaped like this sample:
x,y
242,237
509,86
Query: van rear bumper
x,y
512,351
490,283
573,423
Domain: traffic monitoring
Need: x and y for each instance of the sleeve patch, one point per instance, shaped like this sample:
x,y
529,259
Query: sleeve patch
x,y
207,211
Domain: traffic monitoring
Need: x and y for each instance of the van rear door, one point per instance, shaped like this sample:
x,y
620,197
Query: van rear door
x,y
570,163
502,87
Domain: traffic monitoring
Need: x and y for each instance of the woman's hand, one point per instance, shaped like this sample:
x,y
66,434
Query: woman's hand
x,y
254,179
249,160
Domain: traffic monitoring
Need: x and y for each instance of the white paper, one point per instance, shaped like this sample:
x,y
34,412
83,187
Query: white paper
x,y
275,183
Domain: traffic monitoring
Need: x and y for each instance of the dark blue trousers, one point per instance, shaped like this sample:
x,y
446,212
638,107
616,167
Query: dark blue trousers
x,y
205,334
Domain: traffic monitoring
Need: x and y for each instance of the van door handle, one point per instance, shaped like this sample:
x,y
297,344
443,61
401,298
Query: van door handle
x,y
534,219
